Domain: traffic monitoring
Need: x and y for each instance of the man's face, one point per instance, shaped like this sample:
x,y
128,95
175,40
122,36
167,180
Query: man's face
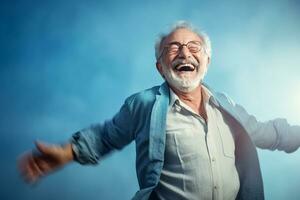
x,y
183,62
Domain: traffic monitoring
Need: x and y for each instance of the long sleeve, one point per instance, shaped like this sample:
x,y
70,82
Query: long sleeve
x,y
92,143
273,134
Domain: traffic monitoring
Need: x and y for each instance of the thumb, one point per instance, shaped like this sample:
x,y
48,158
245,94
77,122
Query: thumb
x,y
43,148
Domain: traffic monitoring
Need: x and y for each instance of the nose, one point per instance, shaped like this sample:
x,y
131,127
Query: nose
x,y
184,52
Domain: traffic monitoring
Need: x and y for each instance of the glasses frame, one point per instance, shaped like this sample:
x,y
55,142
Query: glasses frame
x,y
180,46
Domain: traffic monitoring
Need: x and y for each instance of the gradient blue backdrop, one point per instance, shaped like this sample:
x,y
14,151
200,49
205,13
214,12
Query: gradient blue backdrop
x,y
67,64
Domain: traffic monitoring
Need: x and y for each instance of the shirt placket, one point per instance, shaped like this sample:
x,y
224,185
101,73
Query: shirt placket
x,y
212,152
210,141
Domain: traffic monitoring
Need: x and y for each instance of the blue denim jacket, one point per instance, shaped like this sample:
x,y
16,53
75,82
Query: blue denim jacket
x,y
143,118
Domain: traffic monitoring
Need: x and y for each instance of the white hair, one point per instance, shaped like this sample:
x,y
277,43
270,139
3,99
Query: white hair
x,y
183,25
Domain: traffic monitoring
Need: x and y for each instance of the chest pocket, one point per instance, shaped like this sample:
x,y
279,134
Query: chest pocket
x,y
227,140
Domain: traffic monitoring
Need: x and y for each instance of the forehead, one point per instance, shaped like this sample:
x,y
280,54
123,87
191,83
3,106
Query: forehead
x,y
183,36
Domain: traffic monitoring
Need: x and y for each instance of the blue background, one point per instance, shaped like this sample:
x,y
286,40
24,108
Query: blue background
x,y
67,64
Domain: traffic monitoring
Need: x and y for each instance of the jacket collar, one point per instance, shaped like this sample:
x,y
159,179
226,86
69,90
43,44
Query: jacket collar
x,y
163,89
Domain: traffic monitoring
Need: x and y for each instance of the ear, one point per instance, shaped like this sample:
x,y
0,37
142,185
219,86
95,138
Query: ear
x,y
208,61
159,68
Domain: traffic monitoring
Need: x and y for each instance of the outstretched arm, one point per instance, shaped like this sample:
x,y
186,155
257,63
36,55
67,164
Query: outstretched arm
x,y
86,146
273,134
91,144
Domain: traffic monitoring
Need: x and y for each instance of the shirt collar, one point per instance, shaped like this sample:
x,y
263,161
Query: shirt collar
x,y
208,97
173,97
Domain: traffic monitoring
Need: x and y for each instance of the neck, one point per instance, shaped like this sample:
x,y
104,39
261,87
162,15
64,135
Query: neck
x,y
194,96
193,99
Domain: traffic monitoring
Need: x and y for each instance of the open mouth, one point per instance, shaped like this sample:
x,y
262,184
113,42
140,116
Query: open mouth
x,y
185,68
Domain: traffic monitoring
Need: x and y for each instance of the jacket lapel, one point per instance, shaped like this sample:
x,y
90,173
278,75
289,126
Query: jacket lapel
x,y
158,124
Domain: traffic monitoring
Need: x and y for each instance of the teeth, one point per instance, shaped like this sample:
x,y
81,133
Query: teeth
x,y
185,67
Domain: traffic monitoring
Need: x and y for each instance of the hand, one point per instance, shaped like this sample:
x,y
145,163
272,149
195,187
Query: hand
x,y
35,164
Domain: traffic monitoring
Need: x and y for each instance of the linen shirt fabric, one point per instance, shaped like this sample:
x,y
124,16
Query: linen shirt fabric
x,y
142,118
199,160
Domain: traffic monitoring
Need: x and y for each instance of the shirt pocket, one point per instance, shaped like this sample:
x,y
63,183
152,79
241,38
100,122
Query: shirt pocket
x,y
227,140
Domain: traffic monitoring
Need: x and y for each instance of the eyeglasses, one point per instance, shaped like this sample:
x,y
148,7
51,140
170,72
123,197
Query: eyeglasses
x,y
175,47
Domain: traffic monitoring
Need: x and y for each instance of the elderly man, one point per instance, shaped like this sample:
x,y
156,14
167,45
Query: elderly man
x,y
191,143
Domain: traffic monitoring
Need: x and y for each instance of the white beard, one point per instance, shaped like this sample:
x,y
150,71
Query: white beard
x,y
183,83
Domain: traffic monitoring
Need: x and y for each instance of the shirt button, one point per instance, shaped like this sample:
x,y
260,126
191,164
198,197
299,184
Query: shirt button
x,y
215,187
213,159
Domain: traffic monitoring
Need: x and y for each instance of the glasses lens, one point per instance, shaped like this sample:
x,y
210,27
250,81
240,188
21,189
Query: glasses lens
x,y
173,49
194,47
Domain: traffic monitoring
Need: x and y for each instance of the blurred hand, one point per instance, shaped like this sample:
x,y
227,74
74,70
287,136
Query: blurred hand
x,y
35,164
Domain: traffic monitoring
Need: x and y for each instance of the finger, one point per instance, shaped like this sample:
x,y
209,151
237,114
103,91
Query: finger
x,y
27,168
44,166
32,172
43,148
23,163
36,169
